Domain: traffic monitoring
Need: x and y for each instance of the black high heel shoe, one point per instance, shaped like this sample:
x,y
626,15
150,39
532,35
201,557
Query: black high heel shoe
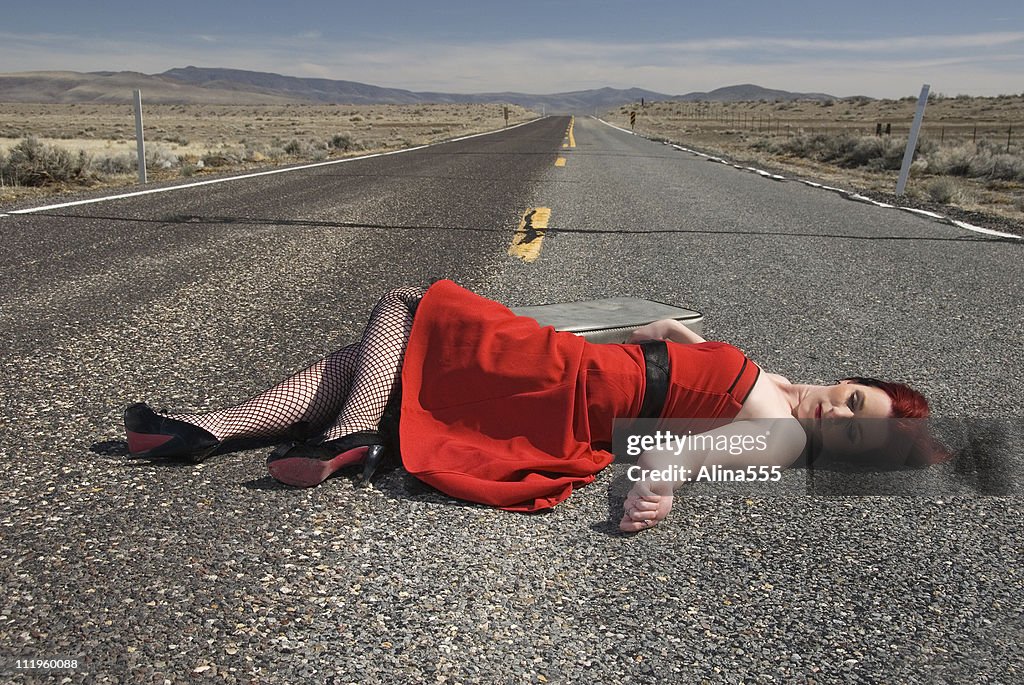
x,y
151,435
374,458
304,465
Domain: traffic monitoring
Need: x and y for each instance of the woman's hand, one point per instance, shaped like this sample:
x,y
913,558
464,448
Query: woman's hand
x,y
644,508
665,329
652,331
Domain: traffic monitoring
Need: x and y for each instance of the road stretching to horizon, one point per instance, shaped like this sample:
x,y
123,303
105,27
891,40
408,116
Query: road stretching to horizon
x,y
202,296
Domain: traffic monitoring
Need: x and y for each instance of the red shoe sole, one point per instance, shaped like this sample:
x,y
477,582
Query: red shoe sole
x,y
140,442
305,472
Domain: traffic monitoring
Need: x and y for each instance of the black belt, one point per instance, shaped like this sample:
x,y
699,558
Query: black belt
x,y
657,372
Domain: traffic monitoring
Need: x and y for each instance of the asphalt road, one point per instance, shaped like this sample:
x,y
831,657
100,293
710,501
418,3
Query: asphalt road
x,y
199,297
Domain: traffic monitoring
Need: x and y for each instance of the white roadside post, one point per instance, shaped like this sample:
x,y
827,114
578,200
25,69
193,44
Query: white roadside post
x,y
140,143
915,128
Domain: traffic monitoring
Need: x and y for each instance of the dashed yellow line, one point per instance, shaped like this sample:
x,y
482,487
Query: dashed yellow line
x,y
529,236
560,161
569,134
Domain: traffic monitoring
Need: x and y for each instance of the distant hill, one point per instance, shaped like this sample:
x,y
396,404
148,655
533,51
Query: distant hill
x,y
105,87
195,85
297,89
351,92
748,92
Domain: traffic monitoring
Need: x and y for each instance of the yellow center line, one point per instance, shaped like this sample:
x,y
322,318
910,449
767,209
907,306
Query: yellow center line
x,y
560,161
528,237
572,139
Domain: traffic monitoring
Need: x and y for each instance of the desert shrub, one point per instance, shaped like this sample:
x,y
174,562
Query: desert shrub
x,y
176,138
32,163
845,149
1000,166
116,164
158,157
343,142
993,162
256,152
819,146
874,152
214,160
954,160
222,158
275,152
305,149
946,191
984,160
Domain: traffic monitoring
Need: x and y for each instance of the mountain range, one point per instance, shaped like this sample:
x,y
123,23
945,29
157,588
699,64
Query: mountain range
x,y
197,85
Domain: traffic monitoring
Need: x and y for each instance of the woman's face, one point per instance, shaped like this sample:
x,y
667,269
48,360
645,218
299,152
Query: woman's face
x,y
839,416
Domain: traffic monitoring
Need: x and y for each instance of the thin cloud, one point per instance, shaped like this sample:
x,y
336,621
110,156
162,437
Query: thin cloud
x,y
872,45
976,63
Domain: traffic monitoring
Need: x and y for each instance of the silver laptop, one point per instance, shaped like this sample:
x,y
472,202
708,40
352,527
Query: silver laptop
x,y
609,320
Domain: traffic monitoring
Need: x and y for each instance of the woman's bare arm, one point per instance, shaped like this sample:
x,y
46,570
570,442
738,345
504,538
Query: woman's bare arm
x,y
765,445
666,329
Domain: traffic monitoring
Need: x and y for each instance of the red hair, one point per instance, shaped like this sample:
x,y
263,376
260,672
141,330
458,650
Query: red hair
x,y
907,403
921,448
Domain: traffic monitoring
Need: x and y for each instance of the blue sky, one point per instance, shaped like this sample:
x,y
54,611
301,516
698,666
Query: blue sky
x,y
856,47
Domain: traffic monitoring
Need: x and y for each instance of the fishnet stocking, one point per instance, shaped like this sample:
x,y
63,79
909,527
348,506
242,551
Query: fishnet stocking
x,y
378,362
346,391
312,396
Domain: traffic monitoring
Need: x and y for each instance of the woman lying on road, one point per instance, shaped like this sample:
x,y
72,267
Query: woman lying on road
x,y
498,410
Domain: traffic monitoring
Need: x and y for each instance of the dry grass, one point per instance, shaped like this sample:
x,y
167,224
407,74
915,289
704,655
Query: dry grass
x,y
188,140
836,143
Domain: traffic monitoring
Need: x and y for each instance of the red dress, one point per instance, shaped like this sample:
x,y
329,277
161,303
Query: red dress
x,y
498,410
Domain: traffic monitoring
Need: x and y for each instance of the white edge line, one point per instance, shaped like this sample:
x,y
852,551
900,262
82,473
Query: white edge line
x,y
240,177
980,229
617,128
850,195
857,197
922,212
